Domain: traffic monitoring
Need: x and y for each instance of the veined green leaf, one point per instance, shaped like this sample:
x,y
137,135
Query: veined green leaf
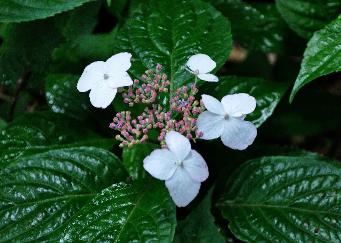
x,y
28,47
63,97
22,10
199,225
258,26
136,212
307,16
322,56
26,50
169,32
81,51
41,192
284,199
39,130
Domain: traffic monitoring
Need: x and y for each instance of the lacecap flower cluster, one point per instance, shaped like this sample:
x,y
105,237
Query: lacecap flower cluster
x,y
176,116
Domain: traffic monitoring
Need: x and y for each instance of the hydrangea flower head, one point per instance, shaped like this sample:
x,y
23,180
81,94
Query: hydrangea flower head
x,y
225,119
182,168
161,114
103,79
200,65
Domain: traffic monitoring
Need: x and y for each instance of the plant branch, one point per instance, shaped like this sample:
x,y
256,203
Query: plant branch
x,y
21,83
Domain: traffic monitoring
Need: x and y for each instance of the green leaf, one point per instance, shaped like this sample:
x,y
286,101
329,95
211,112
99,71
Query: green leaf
x,y
22,10
268,94
25,53
322,56
284,199
63,97
28,47
84,49
41,192
257,26
57,128
169,32
80,21
76,27
126,213
199,225
37,131
132,159
307,16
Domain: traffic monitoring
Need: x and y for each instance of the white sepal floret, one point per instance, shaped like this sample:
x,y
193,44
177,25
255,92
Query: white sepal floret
x,y
104,78
182,168
225,119
200,65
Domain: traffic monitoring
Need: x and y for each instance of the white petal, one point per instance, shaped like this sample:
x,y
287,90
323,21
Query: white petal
x,y
102,95
196,166
160,164
119,62
238,104
178,144
238,134
208,77
201,63
211,125
182,188
119,79
212,104
92,74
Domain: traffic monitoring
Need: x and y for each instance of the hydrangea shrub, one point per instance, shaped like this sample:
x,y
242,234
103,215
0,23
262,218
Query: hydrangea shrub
x,y
170,121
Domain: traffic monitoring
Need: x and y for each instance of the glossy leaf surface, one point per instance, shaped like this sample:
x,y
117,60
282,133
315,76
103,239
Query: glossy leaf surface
x,y
169,32
63,97
258,26
199,225
37,131
22,10
41,192
322,56
284,199
126,213
307,16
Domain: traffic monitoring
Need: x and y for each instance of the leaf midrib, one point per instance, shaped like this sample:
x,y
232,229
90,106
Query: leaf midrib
x,y
130,214
272,206
53,199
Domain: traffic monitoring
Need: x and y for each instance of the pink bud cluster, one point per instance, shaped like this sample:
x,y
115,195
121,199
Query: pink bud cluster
x,y
179,115
146,91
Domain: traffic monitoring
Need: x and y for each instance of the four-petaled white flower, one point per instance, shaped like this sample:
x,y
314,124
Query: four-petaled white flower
x,y
103,79
181,167
200,65
226,119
